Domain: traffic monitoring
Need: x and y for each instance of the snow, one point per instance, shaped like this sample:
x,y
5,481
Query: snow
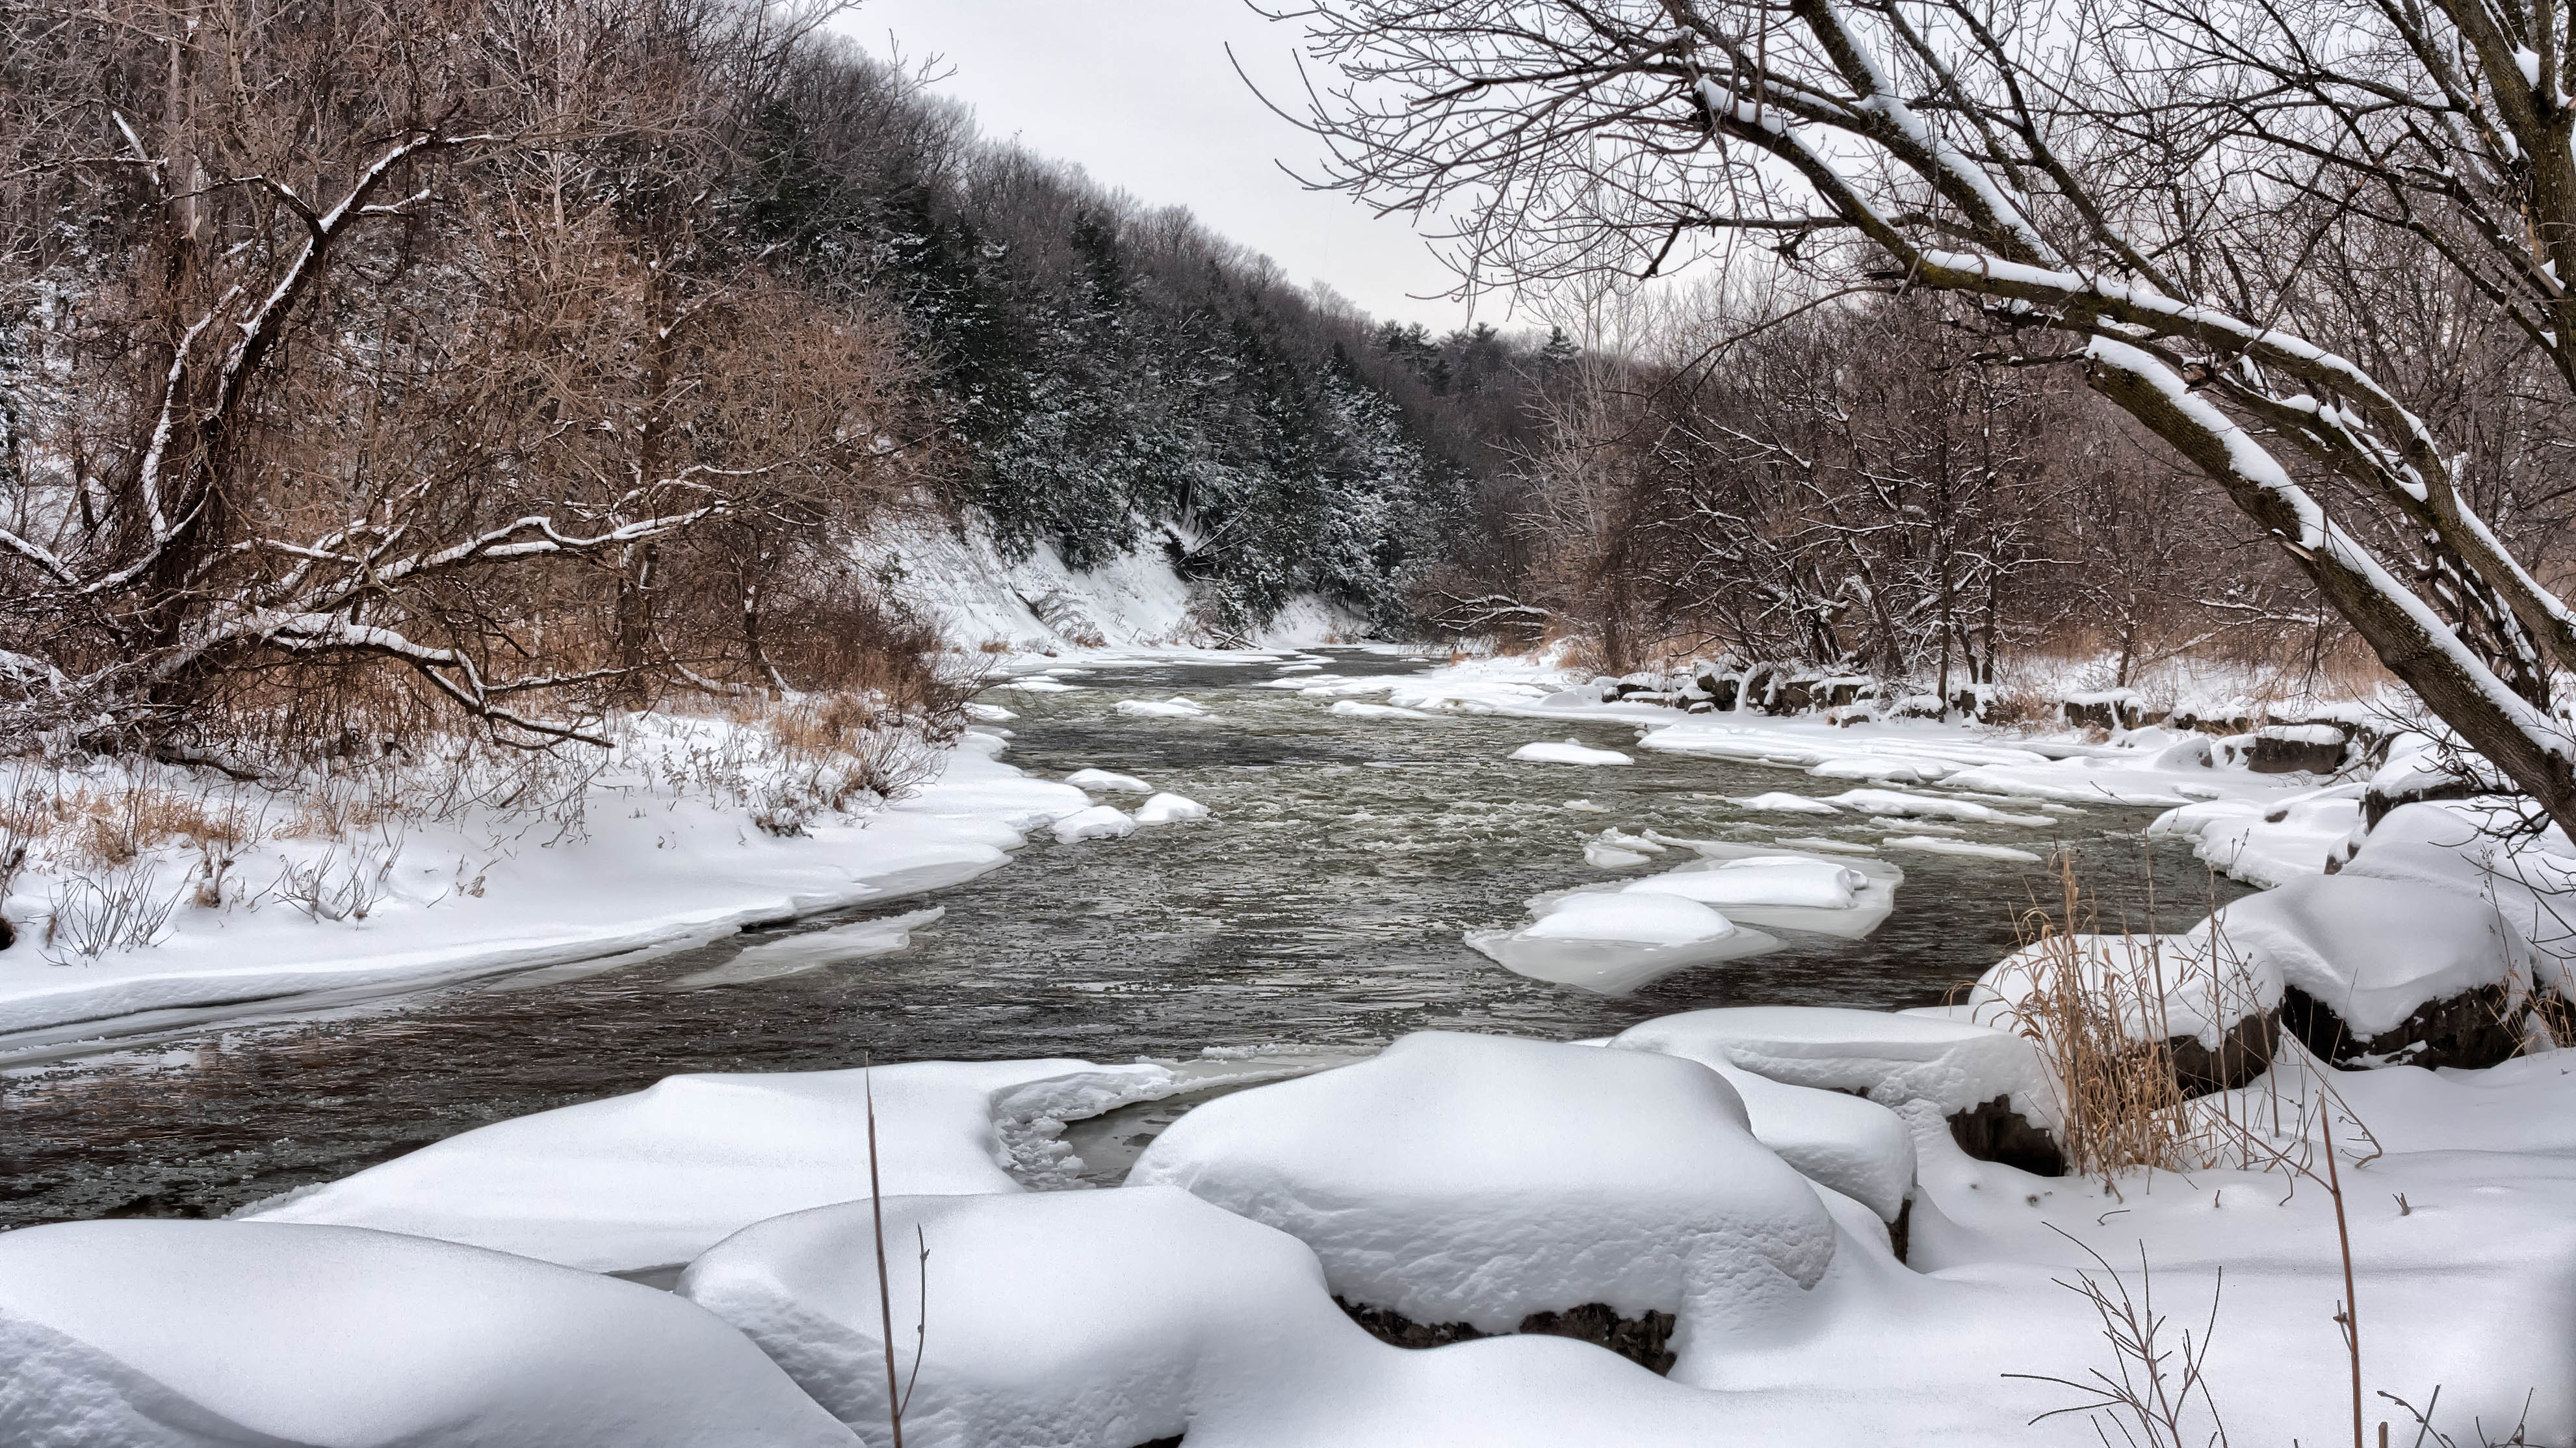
x,y
1603,856
1613,943
2269,842
1762,880
1784,804
1175,707
1852,1145
815,949
1934,845
2372,951
1105,1317
158,1334
2163,985
1479,1179
656,1177
1911,806
1100,822
1353,709
1571,751
1890,1059
652,867
1164,809
1105,780
2451,847
1034,685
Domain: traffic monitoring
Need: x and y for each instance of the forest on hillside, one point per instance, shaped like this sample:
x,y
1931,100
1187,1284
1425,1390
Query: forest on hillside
x,y
532,360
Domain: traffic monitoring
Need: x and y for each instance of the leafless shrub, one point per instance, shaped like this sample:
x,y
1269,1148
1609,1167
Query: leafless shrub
x,y
94,912
345,882
2157,1390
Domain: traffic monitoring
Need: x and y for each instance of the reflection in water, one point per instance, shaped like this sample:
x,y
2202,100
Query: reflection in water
x,y
1321,907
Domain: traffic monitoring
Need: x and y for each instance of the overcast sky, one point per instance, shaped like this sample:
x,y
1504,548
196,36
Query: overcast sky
x,y
1140,94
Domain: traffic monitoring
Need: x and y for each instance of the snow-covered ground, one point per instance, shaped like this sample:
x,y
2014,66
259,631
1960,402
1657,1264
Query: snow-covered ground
x,y
1729,1186
655,859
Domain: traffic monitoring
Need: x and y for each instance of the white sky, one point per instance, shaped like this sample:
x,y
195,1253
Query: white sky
x,y
1139,93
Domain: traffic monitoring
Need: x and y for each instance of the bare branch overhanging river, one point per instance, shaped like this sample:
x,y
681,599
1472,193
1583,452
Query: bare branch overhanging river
x,y
1322,906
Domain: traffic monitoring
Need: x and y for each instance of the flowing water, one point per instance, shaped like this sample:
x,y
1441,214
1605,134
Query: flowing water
x,y
1321,907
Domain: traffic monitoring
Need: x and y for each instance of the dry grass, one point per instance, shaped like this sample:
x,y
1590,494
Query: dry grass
x,y
2120,1102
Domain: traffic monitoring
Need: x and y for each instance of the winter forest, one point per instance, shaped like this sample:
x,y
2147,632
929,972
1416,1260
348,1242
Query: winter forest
x,y
716,731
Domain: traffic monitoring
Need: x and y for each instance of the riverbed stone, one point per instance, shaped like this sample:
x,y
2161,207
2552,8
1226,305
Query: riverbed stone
x,y
2469,1031
1641,1340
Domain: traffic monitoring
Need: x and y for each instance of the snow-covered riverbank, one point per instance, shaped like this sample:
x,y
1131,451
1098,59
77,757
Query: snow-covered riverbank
x,y
1776,1206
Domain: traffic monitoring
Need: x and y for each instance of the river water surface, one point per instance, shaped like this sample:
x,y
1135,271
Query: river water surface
x,y
1322,906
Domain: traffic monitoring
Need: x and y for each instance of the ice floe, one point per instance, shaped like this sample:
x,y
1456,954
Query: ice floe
x,y
1570,751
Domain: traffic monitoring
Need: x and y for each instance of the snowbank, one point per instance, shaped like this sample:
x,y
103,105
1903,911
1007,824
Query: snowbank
x,y
2375,952
1104,1319
1480,1179
2164,986
651,867
654,1178
2270,842
140,1334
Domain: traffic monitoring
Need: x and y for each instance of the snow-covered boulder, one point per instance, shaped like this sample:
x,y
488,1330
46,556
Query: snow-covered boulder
x,y
2386,970
654,1178
2217,1011
1166,809
1100,822
150,1334
1571,751
2463,848
1084,1319
1482,1179
1614,943
1991,1085
1103,779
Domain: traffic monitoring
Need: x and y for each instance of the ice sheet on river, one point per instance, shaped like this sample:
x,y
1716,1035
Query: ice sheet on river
x,y
1615,942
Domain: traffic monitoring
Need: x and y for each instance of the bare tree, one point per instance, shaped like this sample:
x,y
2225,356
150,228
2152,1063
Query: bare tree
x,y
427,336
2164,192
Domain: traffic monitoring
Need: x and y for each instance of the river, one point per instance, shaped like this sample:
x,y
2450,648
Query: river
x,y
1321,907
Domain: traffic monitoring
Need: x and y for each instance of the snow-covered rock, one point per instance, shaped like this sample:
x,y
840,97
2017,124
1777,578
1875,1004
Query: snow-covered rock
x,y
1103,779
1100,822
1480,1179
2385,968
1614,943
1354,709
1102,1319
1165,809
152,1334
2217,1009
1571,751
654,1178
2463,848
